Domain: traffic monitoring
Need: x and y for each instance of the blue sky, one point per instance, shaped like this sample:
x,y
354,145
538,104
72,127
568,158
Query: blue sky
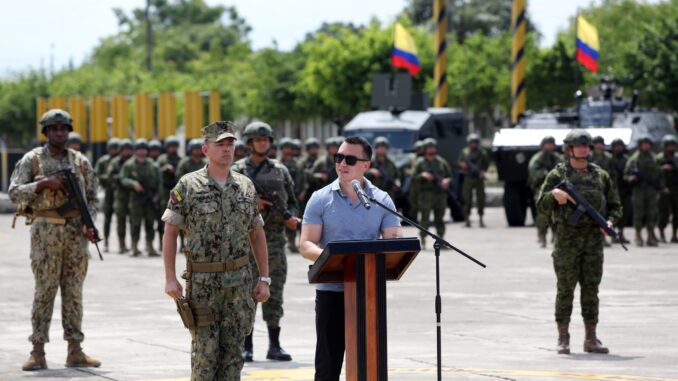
x,y
38,32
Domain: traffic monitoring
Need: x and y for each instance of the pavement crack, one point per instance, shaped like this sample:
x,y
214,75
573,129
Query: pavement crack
x,y
95,374
158,345
460,370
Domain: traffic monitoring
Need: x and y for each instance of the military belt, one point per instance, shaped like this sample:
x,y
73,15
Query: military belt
x,y
217,267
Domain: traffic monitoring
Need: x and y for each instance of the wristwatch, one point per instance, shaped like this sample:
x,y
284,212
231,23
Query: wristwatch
x,y
265,279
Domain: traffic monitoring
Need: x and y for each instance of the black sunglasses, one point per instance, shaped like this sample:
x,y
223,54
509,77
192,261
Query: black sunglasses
x,y
350,159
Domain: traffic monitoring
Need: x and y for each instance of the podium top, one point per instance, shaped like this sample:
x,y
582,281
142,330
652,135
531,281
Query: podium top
x,y
329,267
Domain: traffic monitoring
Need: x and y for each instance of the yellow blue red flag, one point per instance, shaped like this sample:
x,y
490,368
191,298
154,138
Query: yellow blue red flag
x,y
587,44
404,51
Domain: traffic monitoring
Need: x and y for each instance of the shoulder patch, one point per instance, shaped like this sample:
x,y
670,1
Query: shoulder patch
x,y
175,197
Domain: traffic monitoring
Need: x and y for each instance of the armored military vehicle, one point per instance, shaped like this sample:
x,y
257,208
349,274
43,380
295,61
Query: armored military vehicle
x,y
605,114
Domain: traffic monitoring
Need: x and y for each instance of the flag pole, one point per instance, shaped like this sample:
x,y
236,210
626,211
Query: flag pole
x,y
577,92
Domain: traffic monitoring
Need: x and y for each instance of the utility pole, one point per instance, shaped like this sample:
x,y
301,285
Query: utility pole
x,y
149,36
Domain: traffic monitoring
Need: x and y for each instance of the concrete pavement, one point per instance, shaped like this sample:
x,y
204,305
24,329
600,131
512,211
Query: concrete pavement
x,y
497,322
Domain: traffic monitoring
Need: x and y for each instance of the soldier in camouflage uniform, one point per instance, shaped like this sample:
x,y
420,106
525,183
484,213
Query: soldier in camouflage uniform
x,y
141,177
599,156
578,250
473,162
383,172
218,212
74,141
241,151
312,146
154,149
410,187
668,201
121,203
194,161
617,166
645,177
432,176
273,151
59,254
288,147
540,165
323,170
271,177
167,166
101,169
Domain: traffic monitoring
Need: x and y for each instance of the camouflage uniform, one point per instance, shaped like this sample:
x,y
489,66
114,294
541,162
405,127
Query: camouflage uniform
x,y
668,201
649,181
299,178
431,197
389,175
167,166
306,165
617,167
121,199
142,206
216,222
101,170
540,165
578,250
474,180
188,164
410,187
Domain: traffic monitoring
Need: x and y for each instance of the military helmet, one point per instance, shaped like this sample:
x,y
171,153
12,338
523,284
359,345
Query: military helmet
x,y
644,138
74,137
296,143
472,138
578,137
598,140
56,116
154,144
113,143
257,129
617,141
126,143
429,142
171,141
381,140
195,143
286,142
418,144
548,139
140,143
669,139
333,141
240,145
310,142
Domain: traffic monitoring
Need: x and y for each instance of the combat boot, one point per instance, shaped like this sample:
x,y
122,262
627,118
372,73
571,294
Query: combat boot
x,y
275,352
481,223
662,237
542,240
292,247
248,352
563,339
674,237
36,361
639,238
135,249
467,221
622,238
121,245
591,343
78,359
105,245
150,250
651,238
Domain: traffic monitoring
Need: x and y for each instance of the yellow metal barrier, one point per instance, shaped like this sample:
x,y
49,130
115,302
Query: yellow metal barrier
x,y
143,116
98,112
76,107
167,115
193,114
120,115
214,106
518,60
40,109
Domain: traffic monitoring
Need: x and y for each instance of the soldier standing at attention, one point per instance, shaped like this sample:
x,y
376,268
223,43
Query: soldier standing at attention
x,y
410,187
194,161
167,166
473,162
74,141
218,212
383,173
540,165
241,151
58,241
154,149
141,177
312,146
600,157
271,177
668,201
101,169
323,168
273,152
644,175
121,203
578,250
433,176
617,166
288,147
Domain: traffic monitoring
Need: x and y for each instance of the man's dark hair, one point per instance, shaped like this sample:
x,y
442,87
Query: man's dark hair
x,y
359,140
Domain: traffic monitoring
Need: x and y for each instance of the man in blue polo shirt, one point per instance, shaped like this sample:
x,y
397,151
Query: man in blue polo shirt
x,y
335,213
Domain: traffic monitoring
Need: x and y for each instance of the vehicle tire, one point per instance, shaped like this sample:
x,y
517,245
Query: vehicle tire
x,y
514,206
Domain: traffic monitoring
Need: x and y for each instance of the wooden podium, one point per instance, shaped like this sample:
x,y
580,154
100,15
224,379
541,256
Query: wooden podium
x,y
364,267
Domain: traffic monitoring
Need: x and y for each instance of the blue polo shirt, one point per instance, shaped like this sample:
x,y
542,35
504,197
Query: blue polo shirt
x,y
343,220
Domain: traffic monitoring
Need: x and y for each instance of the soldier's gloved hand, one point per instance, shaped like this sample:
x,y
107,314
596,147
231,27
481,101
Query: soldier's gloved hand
x,y
52,182
173,288
292,223
561,196
427,176
137,187
261,292
89,233
263,203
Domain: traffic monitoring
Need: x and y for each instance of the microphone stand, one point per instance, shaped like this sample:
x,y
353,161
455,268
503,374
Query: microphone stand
x,y
439,241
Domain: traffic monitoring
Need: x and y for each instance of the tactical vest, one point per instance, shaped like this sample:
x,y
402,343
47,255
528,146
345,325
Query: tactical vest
x,y
591,186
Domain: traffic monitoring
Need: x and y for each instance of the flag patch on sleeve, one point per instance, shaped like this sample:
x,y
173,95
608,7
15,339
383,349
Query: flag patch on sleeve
x,y
175,197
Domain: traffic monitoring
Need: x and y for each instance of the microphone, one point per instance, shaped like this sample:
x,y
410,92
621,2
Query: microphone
x,y
361,193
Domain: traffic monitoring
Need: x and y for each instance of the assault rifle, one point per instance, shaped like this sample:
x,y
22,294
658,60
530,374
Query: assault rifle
x,y
583,206
148,196
644,180
278,205
388,179
473,168
77,200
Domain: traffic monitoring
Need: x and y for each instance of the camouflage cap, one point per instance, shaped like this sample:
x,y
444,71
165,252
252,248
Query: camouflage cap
x,y
578,137
219,131
669,139
598,140
54,117
74,137
113,143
